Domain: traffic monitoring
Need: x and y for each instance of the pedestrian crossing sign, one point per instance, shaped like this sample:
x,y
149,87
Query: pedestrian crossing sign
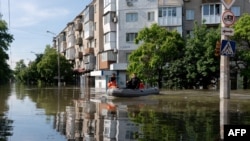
x,y
227,48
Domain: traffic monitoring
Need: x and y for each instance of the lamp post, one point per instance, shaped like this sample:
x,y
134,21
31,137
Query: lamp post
x,y
58,59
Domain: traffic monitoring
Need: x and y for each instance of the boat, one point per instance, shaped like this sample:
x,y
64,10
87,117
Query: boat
x,y
124,92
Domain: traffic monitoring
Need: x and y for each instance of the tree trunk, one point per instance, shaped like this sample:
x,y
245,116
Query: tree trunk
x,y
160,78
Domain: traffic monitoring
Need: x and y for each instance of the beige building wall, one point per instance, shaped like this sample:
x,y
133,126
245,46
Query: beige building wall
x,y
98,29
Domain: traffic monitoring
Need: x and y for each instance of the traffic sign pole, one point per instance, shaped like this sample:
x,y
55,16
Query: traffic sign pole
x,y
224,68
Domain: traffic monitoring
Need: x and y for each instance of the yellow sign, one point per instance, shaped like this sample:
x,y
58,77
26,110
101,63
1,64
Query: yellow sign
x,y
228,3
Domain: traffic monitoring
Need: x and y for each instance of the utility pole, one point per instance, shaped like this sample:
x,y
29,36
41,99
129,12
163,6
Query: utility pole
x,y
58,58
227,48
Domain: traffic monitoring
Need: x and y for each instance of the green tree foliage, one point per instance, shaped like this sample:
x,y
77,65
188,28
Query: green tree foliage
x,y
5,40
44,69
201,64
48,68
157,47
20,71
242,37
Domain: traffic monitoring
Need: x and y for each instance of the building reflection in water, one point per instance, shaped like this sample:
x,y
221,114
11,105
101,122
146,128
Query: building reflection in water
x,y
89,120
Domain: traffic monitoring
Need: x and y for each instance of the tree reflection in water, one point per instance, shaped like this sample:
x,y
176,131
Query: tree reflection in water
x,y
5,128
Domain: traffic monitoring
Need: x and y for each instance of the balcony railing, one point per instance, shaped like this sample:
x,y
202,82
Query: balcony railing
x,y
78,26
88,51
79,41
79,55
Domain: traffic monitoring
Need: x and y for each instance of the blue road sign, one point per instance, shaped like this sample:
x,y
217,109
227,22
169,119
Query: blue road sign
x,y
227,48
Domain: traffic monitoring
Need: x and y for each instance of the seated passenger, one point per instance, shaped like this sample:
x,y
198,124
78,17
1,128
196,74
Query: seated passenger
x,y
141,85
134,82
112,82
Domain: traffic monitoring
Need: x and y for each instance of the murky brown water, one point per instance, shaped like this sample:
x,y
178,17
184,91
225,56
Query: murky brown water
x,y
33,114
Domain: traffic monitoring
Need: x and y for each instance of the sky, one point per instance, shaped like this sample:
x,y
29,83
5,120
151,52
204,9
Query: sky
x,y
29,20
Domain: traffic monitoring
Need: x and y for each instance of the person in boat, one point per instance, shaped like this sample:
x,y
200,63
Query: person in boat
x,y
112,82
141,85
134,82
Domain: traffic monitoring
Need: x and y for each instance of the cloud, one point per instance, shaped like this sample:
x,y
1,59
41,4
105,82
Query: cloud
x,y
29,14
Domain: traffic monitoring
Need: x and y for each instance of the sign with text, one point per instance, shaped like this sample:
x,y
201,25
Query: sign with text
x,y
228,3
236,132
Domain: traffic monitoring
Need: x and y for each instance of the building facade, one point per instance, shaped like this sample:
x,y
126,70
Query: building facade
x,y
99,40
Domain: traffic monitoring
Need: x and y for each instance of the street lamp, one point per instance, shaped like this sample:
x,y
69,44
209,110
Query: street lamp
x,y
58,59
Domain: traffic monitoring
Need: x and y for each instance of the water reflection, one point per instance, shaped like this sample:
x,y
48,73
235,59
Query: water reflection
x,y
173,117
6,127
80,114
224,120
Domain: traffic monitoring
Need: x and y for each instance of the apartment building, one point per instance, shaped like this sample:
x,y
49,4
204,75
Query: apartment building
x,y
99,40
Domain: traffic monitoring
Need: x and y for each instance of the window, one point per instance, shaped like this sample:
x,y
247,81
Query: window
x,y
206,10
131,17
151,16
190,33
109,37
106,38
167,12
106,2
235,10
130,37
106,19
189,14
211,9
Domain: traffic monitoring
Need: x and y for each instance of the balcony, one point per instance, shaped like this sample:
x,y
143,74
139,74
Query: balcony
x,y
70,53
89,30
78,26
79,55
107,58
118,66
110,6
105,64
88,51
79,41
170,21
89,59
63,46
212,19
89,66
89,13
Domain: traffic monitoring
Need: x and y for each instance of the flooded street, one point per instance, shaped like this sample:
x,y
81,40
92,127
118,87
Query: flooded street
x,y
34,114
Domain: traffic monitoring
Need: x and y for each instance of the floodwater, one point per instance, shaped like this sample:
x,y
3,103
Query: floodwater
x,y
70,114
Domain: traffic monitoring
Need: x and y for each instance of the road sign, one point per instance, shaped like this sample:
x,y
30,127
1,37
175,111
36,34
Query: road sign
x,y
227,48
228,3
228,18
227,31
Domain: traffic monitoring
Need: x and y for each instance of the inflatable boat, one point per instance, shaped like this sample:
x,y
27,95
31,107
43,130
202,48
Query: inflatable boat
x,y
124,92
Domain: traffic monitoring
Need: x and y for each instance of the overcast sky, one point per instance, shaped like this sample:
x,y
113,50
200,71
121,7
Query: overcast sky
x,y
28,21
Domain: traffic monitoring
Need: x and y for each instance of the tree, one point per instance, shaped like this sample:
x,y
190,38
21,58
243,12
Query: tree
x,y
48,68
242,58
20,71
5,40
157,47
200,63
